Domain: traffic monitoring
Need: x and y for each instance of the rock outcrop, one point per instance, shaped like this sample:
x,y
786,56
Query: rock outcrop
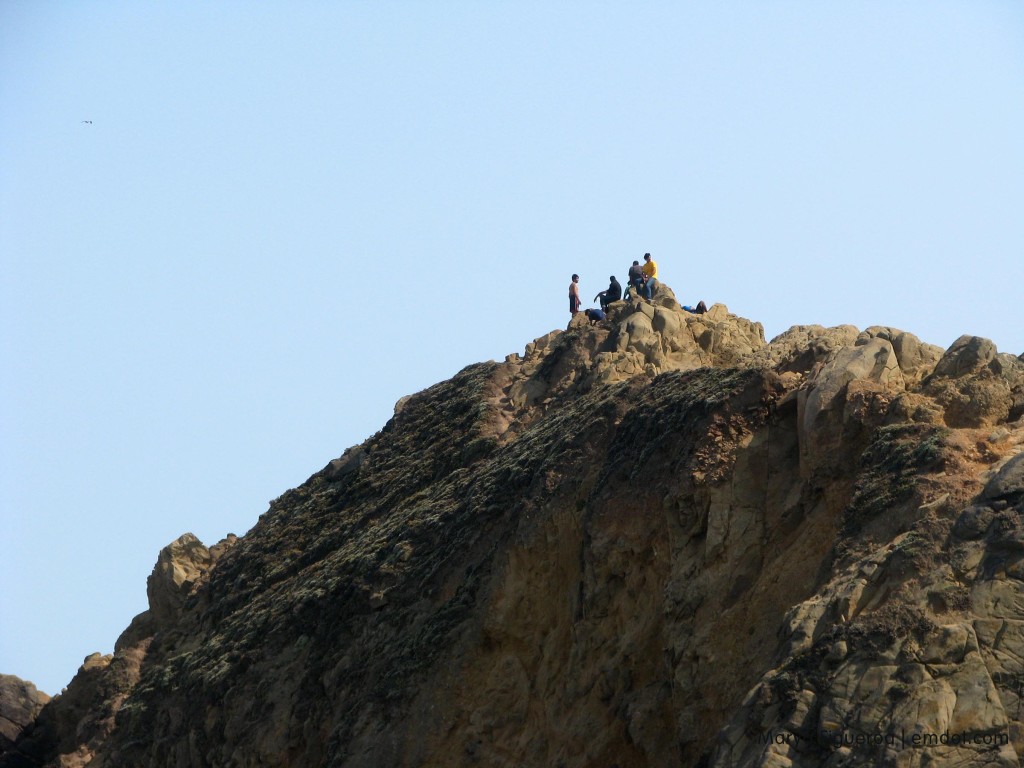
x,y
20,703
70,729
654,540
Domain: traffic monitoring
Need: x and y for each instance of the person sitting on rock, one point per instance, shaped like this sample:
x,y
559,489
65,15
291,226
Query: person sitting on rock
x,y
574,295
595,315
650,270
636,277
614,293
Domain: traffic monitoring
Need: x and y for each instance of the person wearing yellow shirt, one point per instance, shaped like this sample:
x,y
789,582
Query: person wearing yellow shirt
x,y
650,270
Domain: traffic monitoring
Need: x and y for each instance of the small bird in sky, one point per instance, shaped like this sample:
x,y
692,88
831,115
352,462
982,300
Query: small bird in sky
x,y
87,121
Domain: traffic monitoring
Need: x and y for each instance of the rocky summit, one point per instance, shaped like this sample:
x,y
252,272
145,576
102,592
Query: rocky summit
x,y
655,540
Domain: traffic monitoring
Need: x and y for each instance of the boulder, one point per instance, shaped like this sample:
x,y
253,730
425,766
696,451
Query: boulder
x,y
346,464
1009,481
967,354
178,566
916,358
20,702
666,322
975,385
637,334
980,398
874,361
856,374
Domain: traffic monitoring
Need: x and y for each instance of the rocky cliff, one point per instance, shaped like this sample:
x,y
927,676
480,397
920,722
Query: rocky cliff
x,y
656,540
20,704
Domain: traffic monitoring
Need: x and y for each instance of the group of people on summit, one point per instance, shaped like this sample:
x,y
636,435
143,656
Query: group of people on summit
x,y
642,278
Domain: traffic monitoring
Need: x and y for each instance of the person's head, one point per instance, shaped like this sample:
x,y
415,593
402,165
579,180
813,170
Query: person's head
x,y
612,278
647,257
636,263
575,278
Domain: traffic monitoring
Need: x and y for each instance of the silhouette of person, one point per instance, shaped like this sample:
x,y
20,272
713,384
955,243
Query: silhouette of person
x,y
614,293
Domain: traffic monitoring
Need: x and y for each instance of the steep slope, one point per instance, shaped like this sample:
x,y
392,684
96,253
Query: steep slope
x,y
653,541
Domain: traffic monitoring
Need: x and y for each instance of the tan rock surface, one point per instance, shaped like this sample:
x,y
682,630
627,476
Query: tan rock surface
x,y
655,540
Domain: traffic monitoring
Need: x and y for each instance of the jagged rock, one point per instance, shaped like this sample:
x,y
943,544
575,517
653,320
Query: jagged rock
x,y
178,567
728,339
975,386
654,540
71,727
802,346
20,703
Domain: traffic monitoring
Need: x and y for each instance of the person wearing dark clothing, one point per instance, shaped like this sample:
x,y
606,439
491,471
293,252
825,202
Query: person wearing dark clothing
x,y
636,277
700,309
594,315
614,293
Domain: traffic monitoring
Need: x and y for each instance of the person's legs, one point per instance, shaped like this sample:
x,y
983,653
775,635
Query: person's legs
x,y
649,289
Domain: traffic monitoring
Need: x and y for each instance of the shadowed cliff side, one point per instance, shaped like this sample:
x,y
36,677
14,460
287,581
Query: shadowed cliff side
x,y
653,541
20,704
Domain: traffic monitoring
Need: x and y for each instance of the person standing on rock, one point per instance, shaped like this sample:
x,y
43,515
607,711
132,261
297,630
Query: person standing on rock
x,y
650,270
574,295
635,278
614,293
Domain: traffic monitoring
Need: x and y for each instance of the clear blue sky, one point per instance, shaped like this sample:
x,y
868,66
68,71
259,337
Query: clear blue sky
x,y
285,216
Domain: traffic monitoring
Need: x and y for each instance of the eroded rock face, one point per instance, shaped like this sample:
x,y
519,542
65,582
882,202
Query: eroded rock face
x,y
178,568
823,411
70,728
656,540
20,703
910,650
